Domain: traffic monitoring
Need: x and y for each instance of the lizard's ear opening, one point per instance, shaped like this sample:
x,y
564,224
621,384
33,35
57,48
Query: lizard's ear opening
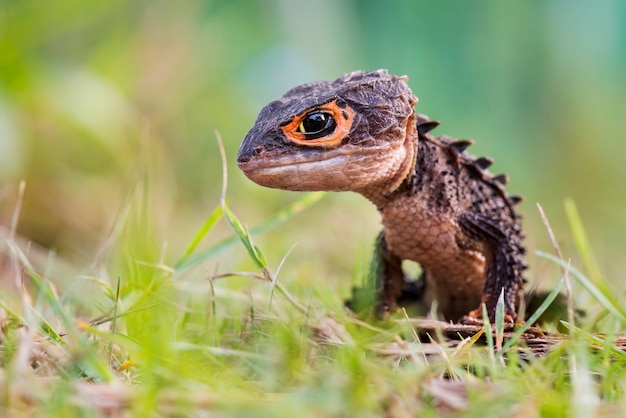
x,y
321,126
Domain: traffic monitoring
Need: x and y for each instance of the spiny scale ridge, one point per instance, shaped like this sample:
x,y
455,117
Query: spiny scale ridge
x,y
480,164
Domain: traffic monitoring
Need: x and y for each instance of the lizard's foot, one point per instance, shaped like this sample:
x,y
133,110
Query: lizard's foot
x,y
475,317
470,320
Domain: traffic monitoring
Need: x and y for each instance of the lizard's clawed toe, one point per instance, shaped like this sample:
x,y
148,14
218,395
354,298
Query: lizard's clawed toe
x,y
475,317
470,320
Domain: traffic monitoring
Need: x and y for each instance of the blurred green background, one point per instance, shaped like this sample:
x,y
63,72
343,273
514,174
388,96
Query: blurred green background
x,y
94,95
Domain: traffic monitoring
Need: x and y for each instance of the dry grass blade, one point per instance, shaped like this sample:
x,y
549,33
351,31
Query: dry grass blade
x,y
330,331
448,395
267,277
536,340
564,272
11,243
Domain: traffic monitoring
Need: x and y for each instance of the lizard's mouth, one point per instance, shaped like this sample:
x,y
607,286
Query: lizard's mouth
x,y
268,162
263,159
341,169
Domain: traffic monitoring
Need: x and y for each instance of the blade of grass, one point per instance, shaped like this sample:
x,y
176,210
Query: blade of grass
x,y
280,217
210,222
605,297
244,236
206,227
275,276
114,321
468,342
597,341
119,339
89,359
489,338
216,351
534,317
233,221
500,321
452,368
265,276
46,292
104,320
212,313
47,328
95,368
15,252
584,398
286,294
581,241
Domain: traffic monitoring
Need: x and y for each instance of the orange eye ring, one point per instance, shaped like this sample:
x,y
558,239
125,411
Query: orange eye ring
x,y
342,118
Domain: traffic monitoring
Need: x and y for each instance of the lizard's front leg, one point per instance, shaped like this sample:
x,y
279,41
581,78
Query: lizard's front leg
x,y
389,277
385,284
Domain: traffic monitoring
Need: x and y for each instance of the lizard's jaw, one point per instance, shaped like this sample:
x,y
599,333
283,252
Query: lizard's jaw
x,y
349,167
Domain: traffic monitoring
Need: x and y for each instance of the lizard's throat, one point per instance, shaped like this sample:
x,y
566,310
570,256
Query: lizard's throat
x,y
380,193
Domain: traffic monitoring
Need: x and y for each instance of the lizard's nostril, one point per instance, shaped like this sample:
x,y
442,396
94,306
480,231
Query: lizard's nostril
x,y
248,153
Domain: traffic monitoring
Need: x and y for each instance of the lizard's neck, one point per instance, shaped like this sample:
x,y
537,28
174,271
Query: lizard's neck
x,y
382,192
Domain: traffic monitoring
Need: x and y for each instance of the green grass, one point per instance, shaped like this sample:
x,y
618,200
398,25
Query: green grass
x,y
167,338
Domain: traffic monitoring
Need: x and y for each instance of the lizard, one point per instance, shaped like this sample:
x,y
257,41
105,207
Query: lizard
x,y
440,206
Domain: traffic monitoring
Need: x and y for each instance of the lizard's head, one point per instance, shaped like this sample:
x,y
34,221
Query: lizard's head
x,y
354,133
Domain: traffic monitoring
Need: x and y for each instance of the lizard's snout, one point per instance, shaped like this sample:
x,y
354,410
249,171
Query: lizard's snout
x,y
243,158
249,151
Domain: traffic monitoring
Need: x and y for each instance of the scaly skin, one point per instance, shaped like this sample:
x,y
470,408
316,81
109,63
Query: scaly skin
x,y
439,205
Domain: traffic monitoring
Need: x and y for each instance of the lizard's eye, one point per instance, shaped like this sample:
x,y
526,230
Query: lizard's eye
x,y
317,124
324,126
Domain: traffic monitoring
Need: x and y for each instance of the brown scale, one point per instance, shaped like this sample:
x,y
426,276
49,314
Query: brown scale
x,y
440,206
